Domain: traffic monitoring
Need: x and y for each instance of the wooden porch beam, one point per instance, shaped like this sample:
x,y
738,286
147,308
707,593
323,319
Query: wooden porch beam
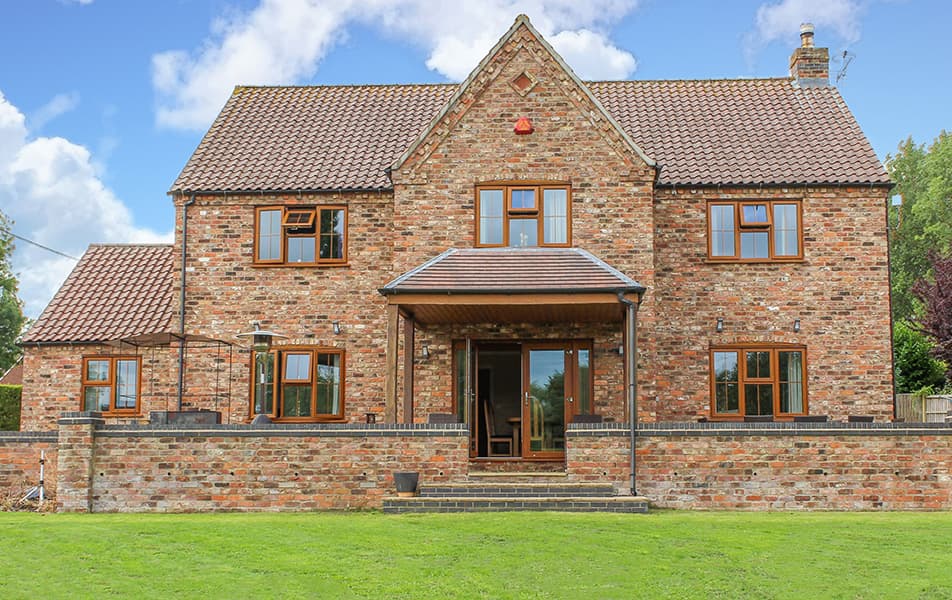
x,y
408,352
393,349
501,299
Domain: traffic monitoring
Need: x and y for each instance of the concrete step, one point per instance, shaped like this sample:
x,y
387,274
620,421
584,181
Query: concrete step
x,y
423,504
497,489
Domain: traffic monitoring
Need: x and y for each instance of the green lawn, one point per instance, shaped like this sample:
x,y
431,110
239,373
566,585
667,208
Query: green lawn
x,y
521,555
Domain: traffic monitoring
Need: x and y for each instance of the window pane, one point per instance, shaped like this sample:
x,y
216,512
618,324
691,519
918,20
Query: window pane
x,y
127,384
301,249
754,213
297,367
328,384
722,231
754,244
758,399
523,199
523,233
758,365
584,398
97,370
264,380
791,381
728,399
786,235
490,216
555,216
460,358
725,366
97,398
269,235
332,234
297,401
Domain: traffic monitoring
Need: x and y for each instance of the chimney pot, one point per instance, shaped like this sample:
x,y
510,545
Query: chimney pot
x,y
806,35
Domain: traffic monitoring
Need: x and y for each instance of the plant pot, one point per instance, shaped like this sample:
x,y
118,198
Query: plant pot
x,y
406,483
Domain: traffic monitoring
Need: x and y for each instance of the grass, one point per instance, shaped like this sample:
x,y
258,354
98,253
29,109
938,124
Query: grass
x,y
664,554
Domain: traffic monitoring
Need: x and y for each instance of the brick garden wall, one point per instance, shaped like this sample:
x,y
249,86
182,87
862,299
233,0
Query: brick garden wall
x,y
20,461
268,468
780,466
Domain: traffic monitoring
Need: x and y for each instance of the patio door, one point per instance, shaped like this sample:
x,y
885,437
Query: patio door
x,y
557,385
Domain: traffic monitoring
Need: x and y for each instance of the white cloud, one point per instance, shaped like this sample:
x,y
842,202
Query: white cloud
x,y
60,104
781,21
51,189
283,42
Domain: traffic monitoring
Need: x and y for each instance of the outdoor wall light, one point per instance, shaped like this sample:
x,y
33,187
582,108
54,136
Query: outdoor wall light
x,y
796,325
261,339
426,351
336,325
720,324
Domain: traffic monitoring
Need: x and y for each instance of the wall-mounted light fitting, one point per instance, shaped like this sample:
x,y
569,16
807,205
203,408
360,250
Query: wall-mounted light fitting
x,y
336,325
796,325
425,353
720,324
261,339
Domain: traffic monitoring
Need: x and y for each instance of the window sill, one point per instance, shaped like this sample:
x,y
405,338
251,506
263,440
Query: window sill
x,y
754,261
300,265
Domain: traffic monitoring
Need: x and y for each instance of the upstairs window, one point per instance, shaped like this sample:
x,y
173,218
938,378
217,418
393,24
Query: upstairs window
x,y
298,384
523,216
757,381
301,235
755,231
111,384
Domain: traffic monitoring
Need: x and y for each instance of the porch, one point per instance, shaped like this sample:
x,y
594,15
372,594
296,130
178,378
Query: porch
x,y
517,343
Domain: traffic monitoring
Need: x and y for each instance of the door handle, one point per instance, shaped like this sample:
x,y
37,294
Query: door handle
x,y
527,398
571,399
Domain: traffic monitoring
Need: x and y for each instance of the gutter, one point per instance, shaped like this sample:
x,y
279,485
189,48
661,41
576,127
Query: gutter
x,y
181,356
631,358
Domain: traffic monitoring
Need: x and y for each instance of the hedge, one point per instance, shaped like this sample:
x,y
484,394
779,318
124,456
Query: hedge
x,y
10,407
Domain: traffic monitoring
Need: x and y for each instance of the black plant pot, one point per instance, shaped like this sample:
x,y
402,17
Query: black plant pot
x,y
406,483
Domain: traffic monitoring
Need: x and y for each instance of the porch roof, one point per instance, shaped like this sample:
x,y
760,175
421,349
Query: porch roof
x,y
484,285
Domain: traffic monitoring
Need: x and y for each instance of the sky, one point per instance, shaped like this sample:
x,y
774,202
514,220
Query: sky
x,y
103,101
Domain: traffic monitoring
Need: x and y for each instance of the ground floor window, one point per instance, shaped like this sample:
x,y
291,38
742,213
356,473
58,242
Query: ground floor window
x,y
111,384
757,381
298,384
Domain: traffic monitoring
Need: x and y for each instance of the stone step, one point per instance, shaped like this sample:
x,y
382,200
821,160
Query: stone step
x,y
517,476
422,504
496,489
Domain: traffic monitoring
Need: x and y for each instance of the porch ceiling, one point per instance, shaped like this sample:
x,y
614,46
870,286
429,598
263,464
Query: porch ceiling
x,y
503,308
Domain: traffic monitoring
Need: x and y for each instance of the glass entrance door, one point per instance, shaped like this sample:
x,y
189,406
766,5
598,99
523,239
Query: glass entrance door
x,y
544,400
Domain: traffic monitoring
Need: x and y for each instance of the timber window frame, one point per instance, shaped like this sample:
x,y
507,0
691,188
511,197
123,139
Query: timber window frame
x,y
758,379
752,230
304,236
539,214
298,384
108,386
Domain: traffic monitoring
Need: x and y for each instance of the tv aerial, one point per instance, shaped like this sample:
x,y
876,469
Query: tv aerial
x,y
845,59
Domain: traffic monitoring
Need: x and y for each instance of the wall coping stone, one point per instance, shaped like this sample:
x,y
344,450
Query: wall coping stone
x,y
285,430
27,437
691,428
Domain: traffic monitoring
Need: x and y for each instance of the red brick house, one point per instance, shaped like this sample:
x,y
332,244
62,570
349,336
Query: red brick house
x,y
497,253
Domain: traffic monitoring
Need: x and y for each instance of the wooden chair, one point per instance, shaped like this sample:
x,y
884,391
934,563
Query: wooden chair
x,y
492,438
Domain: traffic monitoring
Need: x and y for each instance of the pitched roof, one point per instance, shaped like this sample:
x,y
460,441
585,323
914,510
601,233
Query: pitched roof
x,y
512,270
731,131
14,375
115,291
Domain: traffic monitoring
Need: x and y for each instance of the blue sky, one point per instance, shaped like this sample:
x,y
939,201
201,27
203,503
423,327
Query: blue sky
x,y
103,101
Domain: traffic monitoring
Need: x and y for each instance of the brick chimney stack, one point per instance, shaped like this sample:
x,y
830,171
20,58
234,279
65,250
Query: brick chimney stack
x,y
810,66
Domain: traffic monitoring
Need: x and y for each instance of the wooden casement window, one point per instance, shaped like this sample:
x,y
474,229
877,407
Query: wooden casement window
x,y
295,235
758,380
111,384
751,231
298,384
523,216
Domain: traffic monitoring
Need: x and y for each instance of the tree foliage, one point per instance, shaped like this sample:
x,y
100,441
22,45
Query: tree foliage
x,y
935,293
923,223
12,319
916,368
